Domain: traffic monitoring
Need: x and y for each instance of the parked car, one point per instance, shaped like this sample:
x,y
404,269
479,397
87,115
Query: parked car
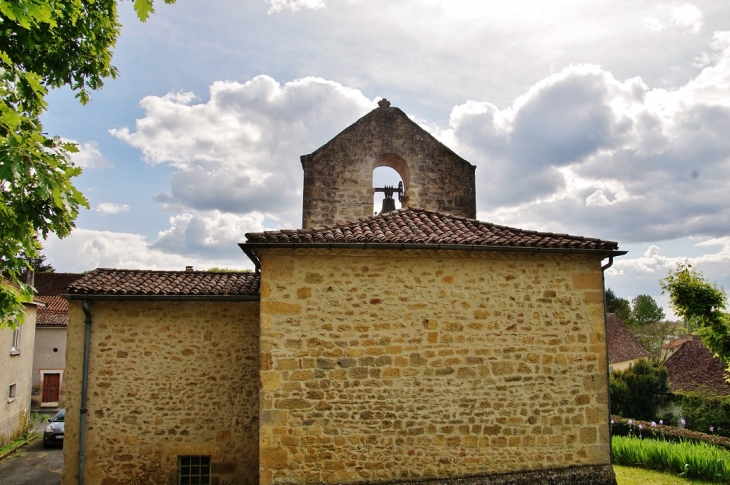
x,y
53,434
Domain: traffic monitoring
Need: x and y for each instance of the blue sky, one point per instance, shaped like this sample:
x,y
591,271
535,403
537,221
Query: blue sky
x,y
605,120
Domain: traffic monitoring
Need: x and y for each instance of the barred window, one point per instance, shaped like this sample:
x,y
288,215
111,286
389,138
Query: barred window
x,y
193,470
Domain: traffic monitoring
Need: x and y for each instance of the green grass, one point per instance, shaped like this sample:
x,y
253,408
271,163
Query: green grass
x,y
639,476
14,444
698,461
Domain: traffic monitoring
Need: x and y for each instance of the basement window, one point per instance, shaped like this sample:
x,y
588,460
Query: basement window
x,y
193,470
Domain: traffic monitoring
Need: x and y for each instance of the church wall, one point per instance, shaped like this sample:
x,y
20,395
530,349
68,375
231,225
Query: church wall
x,y
166,379
385,366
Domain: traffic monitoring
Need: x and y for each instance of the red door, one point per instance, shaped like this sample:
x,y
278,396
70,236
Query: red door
x,y
51,383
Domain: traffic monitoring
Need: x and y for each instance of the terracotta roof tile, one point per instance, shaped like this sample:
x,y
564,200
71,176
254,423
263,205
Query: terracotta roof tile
x,y
171,283
420,226
54,314
693,368
622,346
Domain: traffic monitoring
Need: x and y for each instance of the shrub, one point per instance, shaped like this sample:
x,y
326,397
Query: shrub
x,y
655,430
703,411
638,391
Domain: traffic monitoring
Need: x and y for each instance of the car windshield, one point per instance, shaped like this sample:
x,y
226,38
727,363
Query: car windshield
x,y
60,416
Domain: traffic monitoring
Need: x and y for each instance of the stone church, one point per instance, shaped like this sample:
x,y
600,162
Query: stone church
x,y
417,345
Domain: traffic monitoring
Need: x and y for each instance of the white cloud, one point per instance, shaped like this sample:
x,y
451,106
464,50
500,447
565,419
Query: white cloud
x,y
207,233
277,6
236,156
86,249
89,155
684,17
581,146
106,208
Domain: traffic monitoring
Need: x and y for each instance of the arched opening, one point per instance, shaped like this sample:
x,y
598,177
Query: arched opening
x,y
385,176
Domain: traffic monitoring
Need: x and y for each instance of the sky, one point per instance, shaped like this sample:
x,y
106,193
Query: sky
x,y
601,119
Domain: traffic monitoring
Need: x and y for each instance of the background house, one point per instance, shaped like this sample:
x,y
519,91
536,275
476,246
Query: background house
x,y
623,349
693,367
49,360
16,368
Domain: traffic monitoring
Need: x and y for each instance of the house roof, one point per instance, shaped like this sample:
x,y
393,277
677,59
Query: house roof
x,y
425,227
54,314
122,283
49,287
693,367
622,346
54,284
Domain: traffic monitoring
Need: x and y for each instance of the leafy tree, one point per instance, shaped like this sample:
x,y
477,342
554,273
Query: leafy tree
x,y
44,44
638,391
701,304
653,335
646,310
619,306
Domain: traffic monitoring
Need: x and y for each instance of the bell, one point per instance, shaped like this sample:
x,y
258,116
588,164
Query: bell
x,y
388,205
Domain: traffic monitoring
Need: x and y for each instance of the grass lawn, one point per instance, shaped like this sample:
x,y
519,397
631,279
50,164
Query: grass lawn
x,y
638,476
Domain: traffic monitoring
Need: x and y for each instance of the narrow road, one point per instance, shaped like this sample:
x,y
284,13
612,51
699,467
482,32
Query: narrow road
x,y
32,465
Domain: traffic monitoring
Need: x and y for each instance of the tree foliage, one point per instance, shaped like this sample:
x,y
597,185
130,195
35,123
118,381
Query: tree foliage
x,y
44,44
638,391
619,306
646,310
702,304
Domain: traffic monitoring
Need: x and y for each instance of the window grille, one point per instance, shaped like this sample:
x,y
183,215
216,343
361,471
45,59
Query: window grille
x,y
193,470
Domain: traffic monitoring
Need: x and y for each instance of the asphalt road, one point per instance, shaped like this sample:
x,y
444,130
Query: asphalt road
x,y
32,465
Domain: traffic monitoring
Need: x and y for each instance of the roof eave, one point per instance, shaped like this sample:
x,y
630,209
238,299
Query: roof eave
x,y
105,297
249,246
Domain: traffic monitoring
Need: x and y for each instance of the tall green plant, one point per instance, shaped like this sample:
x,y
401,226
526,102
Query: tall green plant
x,y
690,460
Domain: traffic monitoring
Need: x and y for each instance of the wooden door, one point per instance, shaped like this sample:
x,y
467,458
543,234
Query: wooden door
x,y
51,383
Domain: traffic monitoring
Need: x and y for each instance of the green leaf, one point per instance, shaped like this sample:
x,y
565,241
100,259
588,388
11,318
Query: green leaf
x,y
143,8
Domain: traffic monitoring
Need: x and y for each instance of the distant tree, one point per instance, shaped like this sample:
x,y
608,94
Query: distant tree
x,y
702,305
37,264
653,335
619,306
638,391
646,310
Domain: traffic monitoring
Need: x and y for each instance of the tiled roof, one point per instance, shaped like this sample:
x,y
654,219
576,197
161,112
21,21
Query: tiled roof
x,y
54,314
622,346
54,284
49,286
121,282
694,368
420,226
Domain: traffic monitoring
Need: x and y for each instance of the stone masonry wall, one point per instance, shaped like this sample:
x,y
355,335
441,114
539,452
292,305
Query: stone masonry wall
x,y
338,178
384,366
166,379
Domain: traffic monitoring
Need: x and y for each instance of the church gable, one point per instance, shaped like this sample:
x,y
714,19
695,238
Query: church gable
x,y
338,176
